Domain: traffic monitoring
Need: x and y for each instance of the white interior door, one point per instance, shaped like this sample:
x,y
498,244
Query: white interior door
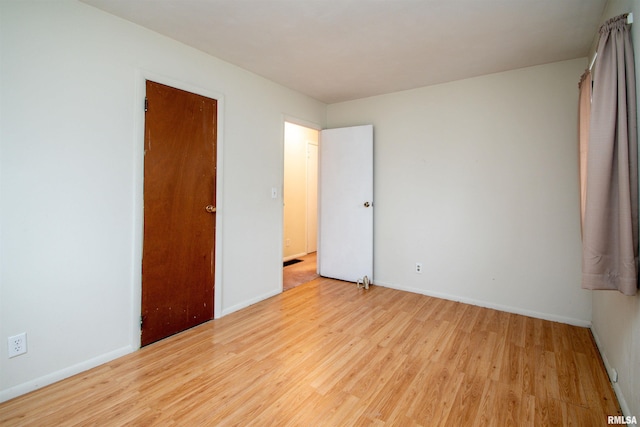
x,y
345,241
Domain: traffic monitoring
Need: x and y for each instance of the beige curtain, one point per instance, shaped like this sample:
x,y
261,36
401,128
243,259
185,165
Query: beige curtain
x,y
610,231
584,116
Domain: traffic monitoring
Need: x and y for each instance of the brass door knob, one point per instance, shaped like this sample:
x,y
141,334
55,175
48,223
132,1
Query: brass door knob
x,y
210,208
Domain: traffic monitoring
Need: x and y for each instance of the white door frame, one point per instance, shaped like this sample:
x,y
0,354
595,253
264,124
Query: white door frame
x,y
312,198
141,76
300,122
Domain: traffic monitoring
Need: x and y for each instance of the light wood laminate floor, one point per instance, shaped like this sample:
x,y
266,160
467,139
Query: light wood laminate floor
x,y
327,353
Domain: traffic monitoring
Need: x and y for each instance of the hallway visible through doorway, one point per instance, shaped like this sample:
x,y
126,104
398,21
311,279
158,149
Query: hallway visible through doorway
x,y
300,272
300,208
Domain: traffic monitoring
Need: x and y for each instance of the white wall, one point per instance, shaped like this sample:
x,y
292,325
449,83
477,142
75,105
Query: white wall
x,y
616,318
71,182
477,179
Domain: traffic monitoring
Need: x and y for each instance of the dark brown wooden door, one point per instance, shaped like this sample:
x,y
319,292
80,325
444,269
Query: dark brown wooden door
x,y
179,232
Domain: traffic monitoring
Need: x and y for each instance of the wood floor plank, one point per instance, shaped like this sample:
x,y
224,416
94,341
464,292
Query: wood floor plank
x,y
571,390
551,412
436,395
383,402
326,353
595,386
482,358
469,398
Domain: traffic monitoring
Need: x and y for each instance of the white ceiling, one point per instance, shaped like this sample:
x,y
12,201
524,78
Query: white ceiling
x,y
338,50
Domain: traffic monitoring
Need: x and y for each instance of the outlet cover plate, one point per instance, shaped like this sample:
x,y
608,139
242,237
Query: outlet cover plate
x,y
17,345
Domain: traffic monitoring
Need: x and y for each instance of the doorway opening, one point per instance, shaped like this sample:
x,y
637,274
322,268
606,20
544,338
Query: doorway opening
x,y
300,195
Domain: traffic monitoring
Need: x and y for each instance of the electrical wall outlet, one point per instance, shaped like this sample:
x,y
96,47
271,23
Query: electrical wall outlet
x,y
418,267
17,345
614,375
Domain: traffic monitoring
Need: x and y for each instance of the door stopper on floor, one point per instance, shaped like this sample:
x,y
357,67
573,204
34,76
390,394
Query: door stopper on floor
x,y
363,283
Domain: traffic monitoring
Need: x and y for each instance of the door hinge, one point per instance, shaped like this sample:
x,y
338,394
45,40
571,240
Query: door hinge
x,y
141,321
146,104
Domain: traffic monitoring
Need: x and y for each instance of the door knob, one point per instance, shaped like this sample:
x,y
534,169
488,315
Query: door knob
x,y
367,204
210,208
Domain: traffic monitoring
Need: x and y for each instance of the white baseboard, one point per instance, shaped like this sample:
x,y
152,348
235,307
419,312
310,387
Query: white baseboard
x,y
616,387
252,301
53,377
509,309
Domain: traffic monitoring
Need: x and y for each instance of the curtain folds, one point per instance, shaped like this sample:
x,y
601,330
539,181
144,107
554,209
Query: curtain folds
x,y
610,225
584,115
